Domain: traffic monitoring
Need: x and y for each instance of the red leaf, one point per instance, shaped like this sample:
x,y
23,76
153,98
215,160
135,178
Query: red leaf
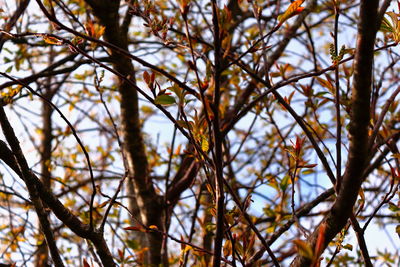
x,y
308,166
121,254
146,77
134,228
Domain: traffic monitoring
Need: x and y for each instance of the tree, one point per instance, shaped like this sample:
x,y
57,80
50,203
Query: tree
x,y
175,133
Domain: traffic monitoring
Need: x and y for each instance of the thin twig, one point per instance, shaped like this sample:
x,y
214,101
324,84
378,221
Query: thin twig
x,y
86,154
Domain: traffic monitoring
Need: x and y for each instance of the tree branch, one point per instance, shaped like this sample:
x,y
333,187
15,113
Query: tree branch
x,y
61,212
22,166
357,160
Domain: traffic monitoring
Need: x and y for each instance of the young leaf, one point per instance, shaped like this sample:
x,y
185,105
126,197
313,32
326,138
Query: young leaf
x,y
164,100
304,248
326,83
284,183
135,228
348,247
395,25
94,30
227,249
293,10
396,155
120,254
204,143
9,69
319,246
146,77
153,227
386,26
51,40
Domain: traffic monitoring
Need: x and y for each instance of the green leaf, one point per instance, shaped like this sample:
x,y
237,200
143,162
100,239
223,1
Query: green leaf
x,y
304,248
393,207
9,69
285,182
164,100
308,171
185,125
395,27
386,26
348,247
393,17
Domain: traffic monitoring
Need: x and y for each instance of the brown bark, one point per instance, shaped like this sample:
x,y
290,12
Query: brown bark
x,y
352,179
45,154
41,258
141,187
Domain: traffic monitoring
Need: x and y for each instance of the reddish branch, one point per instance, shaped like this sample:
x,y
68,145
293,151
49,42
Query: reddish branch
x,y
358,154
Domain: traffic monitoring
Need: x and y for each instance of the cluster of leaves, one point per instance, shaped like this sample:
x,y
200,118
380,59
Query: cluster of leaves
x,y
195,133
